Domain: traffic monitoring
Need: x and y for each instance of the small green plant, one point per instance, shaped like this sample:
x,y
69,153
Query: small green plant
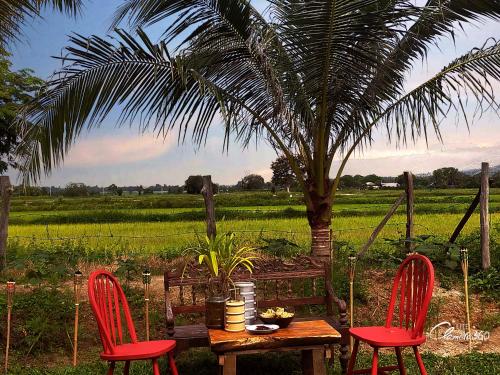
x,y
279,247
129,267
222,256
487,282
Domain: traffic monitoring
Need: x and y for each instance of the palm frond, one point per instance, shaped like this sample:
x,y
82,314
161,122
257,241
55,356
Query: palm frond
x,y
469,81
14,13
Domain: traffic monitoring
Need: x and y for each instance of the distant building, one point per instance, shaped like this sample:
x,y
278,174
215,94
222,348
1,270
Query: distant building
x,y
371,185
389,185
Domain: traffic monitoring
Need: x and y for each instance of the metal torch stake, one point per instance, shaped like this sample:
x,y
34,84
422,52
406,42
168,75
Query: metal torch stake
x,y
77,283
352,268
146,280
11,288
464,261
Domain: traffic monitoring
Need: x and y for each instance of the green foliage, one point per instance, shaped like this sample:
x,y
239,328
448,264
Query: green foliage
x,y
251,182
203,362
129,267
487,282
51,263
194,184
283,176
76,189
279,247
439,251
222,256
16,89
43,318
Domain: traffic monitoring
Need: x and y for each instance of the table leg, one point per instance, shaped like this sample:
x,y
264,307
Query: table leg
x,y
313,362
228,364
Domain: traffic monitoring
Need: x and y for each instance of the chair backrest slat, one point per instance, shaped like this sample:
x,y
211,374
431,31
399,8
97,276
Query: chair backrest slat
x,y
118,315
108,302
412,286
402,298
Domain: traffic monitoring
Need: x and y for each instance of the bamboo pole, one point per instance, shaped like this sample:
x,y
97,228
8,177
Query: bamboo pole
x,y
77,286
11,289
464,261
352,268
146,280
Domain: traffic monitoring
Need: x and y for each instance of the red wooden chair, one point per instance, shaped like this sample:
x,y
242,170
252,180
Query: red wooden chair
x,y
404,326
110,308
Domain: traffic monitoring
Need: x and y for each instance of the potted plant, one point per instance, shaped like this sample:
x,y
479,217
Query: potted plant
x,y
221,256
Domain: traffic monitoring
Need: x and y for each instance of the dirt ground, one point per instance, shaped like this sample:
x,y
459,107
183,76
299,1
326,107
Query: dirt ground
x,y
447,306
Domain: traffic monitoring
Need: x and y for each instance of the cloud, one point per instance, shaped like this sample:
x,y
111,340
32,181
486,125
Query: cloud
x,y
115,150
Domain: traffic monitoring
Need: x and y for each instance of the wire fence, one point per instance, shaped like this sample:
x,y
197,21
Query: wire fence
x,y
49,237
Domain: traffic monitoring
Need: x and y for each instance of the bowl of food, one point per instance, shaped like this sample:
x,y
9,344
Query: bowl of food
x,y
278,316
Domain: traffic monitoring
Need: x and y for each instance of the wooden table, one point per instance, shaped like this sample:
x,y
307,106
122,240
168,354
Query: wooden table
x,y
310,337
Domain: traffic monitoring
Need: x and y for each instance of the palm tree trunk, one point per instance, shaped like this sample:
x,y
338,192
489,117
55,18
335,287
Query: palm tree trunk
x,y
319,215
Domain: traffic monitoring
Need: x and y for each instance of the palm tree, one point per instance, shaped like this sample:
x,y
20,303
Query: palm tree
x,y
13,14
314,78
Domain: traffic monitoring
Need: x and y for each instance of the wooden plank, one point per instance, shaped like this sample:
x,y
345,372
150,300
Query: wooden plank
x,y
305,274
5,194
313,362
381,225
466,217
229,366
410,204
299,333
484,216
208,196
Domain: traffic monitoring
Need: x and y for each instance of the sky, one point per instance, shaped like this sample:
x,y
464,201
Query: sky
x,y
124,156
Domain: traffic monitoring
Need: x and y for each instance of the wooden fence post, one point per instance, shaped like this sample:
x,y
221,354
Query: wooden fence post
x,y
208,195
410,202
5,195
381,225
484,216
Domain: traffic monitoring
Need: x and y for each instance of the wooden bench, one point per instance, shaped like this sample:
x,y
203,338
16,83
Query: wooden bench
x,y
288,288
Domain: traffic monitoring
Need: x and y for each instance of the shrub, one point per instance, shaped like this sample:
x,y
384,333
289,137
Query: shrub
x,y
42,318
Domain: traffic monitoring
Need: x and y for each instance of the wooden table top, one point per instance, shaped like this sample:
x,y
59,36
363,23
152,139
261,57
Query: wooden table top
x,y
298,333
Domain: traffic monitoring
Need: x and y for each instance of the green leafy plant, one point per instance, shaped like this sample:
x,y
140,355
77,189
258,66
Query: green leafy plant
x,y
222,256
487,282
280,247
439,251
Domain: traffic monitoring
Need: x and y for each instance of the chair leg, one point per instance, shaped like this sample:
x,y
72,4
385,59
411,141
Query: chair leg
x,y
401,365
111,368
171,363
126,368
352,360
156,367
375,361
419,361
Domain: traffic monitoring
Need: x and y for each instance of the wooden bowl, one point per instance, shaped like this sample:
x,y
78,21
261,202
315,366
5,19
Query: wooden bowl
x,y
284,322
267,320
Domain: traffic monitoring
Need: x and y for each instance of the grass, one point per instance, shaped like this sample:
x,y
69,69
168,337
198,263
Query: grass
x,y
202,362
172,236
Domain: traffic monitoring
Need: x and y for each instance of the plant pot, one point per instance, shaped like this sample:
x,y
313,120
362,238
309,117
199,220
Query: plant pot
x,y
215,309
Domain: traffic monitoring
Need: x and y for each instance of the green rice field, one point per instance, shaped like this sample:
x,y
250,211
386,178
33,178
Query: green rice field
x,y
168,223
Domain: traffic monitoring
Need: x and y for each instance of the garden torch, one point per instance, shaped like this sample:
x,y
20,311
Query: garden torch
x,y
146,280
464,261
77,285
11,288
352,267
